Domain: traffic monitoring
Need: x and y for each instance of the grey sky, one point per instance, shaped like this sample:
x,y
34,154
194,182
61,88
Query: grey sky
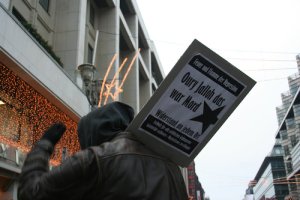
x,y
261,38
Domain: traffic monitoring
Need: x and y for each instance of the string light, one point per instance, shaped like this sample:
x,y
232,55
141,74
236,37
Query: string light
x,y
25,114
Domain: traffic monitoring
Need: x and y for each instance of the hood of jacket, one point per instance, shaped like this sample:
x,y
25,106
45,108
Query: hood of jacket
x,y
104,123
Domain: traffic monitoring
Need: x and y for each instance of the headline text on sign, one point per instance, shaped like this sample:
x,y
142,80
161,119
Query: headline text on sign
x,y
218,76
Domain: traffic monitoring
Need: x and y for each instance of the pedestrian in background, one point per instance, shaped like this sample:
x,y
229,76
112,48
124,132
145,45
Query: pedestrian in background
x,y
112,164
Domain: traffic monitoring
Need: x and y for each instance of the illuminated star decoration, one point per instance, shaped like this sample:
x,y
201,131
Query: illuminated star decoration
x,y
108,90
208,116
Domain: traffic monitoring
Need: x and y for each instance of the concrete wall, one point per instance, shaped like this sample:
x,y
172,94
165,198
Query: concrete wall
x,y
30,60
69,42
36,15
5,3
68,29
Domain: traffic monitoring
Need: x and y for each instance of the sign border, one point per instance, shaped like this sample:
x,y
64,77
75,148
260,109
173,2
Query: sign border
x,y
196,48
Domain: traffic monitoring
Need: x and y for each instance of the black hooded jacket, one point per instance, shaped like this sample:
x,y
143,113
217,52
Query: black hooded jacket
x,y
112,165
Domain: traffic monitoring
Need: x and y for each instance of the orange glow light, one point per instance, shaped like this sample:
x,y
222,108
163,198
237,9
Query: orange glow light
x,y
105,77
26,114
113,83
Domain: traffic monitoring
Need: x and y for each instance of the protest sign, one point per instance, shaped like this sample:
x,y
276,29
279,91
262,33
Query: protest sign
x,y
191,104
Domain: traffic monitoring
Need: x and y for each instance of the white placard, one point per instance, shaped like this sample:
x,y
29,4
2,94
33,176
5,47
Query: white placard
x,y
194,100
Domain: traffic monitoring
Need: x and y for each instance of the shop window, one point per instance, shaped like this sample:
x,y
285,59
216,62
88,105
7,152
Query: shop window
x,y
45,4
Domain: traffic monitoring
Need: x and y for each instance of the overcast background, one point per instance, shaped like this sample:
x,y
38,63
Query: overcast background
x,y
261,38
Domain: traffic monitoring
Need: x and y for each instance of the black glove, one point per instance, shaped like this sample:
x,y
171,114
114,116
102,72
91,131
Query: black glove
x,y
54,133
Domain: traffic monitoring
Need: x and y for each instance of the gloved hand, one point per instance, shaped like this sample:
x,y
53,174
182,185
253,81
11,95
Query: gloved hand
x,y
54,133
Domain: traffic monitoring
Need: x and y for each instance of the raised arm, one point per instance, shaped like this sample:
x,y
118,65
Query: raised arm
x,y
63,182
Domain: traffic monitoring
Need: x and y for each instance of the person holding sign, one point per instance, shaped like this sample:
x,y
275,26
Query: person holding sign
x,y
111,165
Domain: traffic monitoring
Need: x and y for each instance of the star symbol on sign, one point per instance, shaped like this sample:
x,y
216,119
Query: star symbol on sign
x,y
208,116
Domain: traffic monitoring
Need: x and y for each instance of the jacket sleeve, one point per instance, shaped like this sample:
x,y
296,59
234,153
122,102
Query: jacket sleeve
x,y
71,180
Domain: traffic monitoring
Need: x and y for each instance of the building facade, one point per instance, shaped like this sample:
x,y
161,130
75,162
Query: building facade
x,y
249,194
195,190
287,136
288,115
42,45
270,180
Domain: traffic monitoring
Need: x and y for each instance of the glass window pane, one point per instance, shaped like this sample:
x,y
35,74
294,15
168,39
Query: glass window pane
x,y
45,4
92,15
90,54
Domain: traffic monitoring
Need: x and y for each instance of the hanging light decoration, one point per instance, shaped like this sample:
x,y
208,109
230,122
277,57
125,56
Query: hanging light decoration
x,y
25,114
